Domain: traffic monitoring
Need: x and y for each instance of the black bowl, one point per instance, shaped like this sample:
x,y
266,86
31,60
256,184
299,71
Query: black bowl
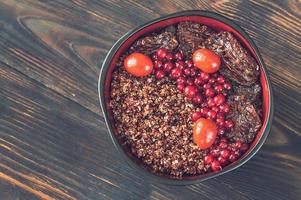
x,y
213,20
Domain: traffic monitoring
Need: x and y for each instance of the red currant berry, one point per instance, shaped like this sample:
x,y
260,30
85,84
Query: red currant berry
x,y
158,64
211,80
176,73
211,114
198,99
222,160
186,71
223,145
198,80
181,87
218,88
189,63
227,86
219,99
204,111
180,65
224,108
159,74
181,80
210,102
196,115
208,159
220,121
169,57
205,76
161,53
216,166
209,92
206,86
221,79
190,91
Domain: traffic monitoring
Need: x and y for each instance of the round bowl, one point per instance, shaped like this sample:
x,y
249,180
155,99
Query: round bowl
x,y
207,18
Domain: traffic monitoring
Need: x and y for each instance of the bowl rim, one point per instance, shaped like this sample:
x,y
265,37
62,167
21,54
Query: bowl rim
x,y
160,179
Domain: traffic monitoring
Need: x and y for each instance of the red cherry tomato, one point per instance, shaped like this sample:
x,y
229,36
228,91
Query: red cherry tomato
x,y
204,133
206,60
138,64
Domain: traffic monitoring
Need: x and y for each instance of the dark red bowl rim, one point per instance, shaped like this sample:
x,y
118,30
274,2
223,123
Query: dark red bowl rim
x,y
165,180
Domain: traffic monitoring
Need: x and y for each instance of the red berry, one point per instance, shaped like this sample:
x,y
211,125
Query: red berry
x,y
223,139
179,56
161,53
227,86
221,131
211,80
204,111
206,86
193,72
219,99
216,166
224,108
218,88
225,153
189,63
229,124
220,79
209,92
180,65
196,115
215,152
223,145
215,108
186,71
181,80
208,159
198,99
211,114
198,81
190,91
169,56
181,87
210,102
222,160
167,67
205,76
158,64
176,73
159,74
189,81
220,121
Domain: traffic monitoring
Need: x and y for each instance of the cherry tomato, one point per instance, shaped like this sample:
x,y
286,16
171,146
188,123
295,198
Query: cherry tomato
x,y
206,60
138,64
204,133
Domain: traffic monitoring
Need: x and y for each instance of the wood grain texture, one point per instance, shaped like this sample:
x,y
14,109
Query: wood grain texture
x,y
53,140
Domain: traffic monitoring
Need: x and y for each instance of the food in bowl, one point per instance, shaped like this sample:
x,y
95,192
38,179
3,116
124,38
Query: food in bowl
x,y
186,99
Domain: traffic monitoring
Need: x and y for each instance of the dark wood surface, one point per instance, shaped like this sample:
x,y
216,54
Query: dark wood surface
x,y
53,140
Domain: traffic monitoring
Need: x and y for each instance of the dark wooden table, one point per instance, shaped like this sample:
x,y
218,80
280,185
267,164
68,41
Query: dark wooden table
x,y
53,140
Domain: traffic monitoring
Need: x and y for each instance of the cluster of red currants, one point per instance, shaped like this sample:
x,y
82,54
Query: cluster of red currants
x,y
208,91
224,153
